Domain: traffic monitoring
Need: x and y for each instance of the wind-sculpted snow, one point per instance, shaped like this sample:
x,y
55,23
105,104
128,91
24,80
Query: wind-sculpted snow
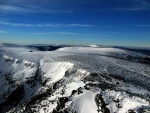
x,y
53,72
90,79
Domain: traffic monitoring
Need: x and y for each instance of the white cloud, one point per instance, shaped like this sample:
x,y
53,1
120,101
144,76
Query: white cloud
x,y
133,5
14,8
59,33
144,25
16,24
31,9
2,31
130,9
68,6
82,25
44,25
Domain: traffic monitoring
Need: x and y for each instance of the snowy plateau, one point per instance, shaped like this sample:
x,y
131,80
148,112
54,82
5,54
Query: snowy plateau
x,y
73,79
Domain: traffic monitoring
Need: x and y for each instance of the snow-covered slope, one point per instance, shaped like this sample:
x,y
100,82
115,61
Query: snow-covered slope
x,y
90,79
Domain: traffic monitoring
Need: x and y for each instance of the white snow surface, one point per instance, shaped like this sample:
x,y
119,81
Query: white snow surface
x,y
55,71
85,103
66,70
123,100
73,86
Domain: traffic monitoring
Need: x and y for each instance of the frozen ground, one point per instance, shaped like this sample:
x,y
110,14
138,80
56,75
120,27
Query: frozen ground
x,y
79,79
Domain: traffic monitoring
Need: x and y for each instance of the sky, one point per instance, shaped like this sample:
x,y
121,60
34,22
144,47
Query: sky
x,y
103,22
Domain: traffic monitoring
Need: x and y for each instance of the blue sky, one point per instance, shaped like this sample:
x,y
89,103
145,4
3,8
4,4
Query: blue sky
x,y
104,22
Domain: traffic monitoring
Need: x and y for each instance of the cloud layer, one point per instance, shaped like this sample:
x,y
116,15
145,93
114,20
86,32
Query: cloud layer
x,y
68,6
44,25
